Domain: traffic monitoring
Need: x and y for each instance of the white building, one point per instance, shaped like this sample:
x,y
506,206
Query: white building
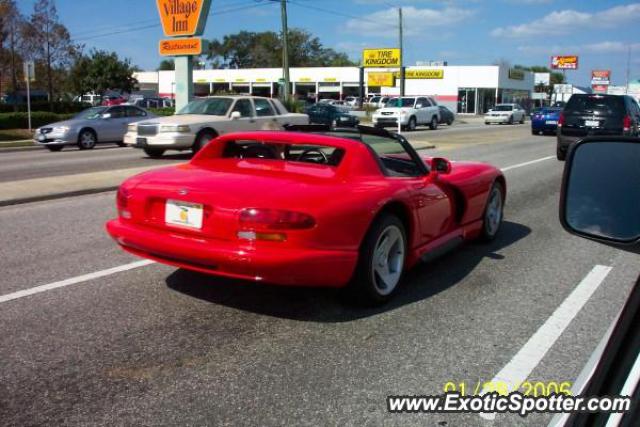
x,y
464,89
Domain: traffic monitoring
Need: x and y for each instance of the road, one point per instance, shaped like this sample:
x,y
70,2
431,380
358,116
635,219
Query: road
x,y
40,163
152,345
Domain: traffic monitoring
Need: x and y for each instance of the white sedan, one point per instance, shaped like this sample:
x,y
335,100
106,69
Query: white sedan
x,y
505,113
206,118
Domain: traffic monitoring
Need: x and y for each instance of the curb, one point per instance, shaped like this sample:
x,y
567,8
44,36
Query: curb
x,y
55,196
14,149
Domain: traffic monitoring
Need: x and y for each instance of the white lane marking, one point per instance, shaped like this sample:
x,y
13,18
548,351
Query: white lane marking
x,y
74,280
522,364
519,165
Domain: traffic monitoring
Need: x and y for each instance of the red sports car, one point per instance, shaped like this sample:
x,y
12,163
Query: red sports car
x,y
309,207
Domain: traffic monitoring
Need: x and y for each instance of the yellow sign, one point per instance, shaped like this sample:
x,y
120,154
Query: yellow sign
x,y
221,81
381,58
304,79
261,80
241,80
201,81
181,47
380,79
183,17
422,74
330,79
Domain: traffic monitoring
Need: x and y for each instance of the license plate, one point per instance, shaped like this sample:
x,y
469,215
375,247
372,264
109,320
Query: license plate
x,y
592,123
141,142
551,122
184,214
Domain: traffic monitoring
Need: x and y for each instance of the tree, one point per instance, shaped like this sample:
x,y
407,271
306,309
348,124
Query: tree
x,y
264,50
166,64
48,40
102,71
11,23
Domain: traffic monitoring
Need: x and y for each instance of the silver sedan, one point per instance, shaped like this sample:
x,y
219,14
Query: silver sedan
x,y
91,126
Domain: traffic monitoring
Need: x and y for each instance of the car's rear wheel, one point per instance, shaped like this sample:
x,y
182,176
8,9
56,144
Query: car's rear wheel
x,y
381,261
411,126
87,139
493,213
202,139
522,120
55,147
154,152
561,154
510,120
449,122
434,123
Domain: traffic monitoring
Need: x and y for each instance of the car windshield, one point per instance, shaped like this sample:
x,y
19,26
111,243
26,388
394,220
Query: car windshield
x,y
503,108
405,102
90,113
209,106
375,99
606,104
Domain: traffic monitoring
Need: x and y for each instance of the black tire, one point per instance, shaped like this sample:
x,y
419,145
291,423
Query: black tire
x,y
489,227
533,132
55,147
411,126
365,285
121,144
449,122
154,153
87,139
434,123
561,154
511,119
202,139
522,120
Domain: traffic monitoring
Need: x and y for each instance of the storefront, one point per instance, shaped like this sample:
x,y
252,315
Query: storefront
x,y
463,89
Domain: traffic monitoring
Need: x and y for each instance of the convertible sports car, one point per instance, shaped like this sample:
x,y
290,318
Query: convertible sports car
x,y
308,207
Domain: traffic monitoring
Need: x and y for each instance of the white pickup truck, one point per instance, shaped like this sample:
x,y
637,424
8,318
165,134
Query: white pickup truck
x,y
412,112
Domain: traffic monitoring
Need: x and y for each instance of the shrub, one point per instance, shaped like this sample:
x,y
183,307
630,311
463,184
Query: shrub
x,y
38,118
58,107
162,111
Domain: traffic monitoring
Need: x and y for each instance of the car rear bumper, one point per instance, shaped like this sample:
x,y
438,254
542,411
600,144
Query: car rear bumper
x,y
168,140
496,119
291,266
543,127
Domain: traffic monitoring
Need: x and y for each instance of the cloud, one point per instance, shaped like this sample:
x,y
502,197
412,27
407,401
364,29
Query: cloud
x,y
416,21
596,48
568,21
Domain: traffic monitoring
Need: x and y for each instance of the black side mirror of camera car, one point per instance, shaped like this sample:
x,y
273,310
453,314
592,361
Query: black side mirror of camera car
x,y
600,197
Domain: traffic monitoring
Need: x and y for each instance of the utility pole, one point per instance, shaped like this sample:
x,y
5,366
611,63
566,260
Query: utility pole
x,y
401,54
285,49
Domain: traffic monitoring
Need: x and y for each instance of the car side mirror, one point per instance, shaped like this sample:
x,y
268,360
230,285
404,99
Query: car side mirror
x,y
236,115
106,116
441,165
600,198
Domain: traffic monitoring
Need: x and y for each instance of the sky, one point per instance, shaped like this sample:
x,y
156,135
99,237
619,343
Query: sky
x,y
462,32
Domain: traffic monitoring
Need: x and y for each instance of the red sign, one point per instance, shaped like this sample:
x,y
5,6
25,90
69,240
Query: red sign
x,y
599,88
600,77
567,62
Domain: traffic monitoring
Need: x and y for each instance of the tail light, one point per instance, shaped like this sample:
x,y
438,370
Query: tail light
x,y
626,123
561,119
122,201
268,224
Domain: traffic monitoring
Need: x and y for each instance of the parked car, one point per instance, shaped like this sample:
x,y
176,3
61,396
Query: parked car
x,y
308,209
331,115
108,101
446,115
351,101
545,120
596,115
505,113
91,126
206,118
378,101
411,111
153,103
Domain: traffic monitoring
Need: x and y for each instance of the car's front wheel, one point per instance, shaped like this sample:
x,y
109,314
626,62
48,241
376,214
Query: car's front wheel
x,y
493,213
381,261
55,147
202,139
411,126
154,153
87,139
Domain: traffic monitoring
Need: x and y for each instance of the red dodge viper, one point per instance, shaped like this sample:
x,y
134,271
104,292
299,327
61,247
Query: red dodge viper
x,y
309,206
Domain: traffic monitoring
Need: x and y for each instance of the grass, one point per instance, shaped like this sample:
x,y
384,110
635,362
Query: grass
x,y
15,134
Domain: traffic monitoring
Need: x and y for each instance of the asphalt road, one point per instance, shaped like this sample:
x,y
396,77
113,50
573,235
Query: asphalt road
x,y
41,163
153,345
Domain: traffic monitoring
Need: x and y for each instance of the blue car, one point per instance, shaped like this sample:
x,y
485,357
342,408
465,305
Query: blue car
x,y
545,120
